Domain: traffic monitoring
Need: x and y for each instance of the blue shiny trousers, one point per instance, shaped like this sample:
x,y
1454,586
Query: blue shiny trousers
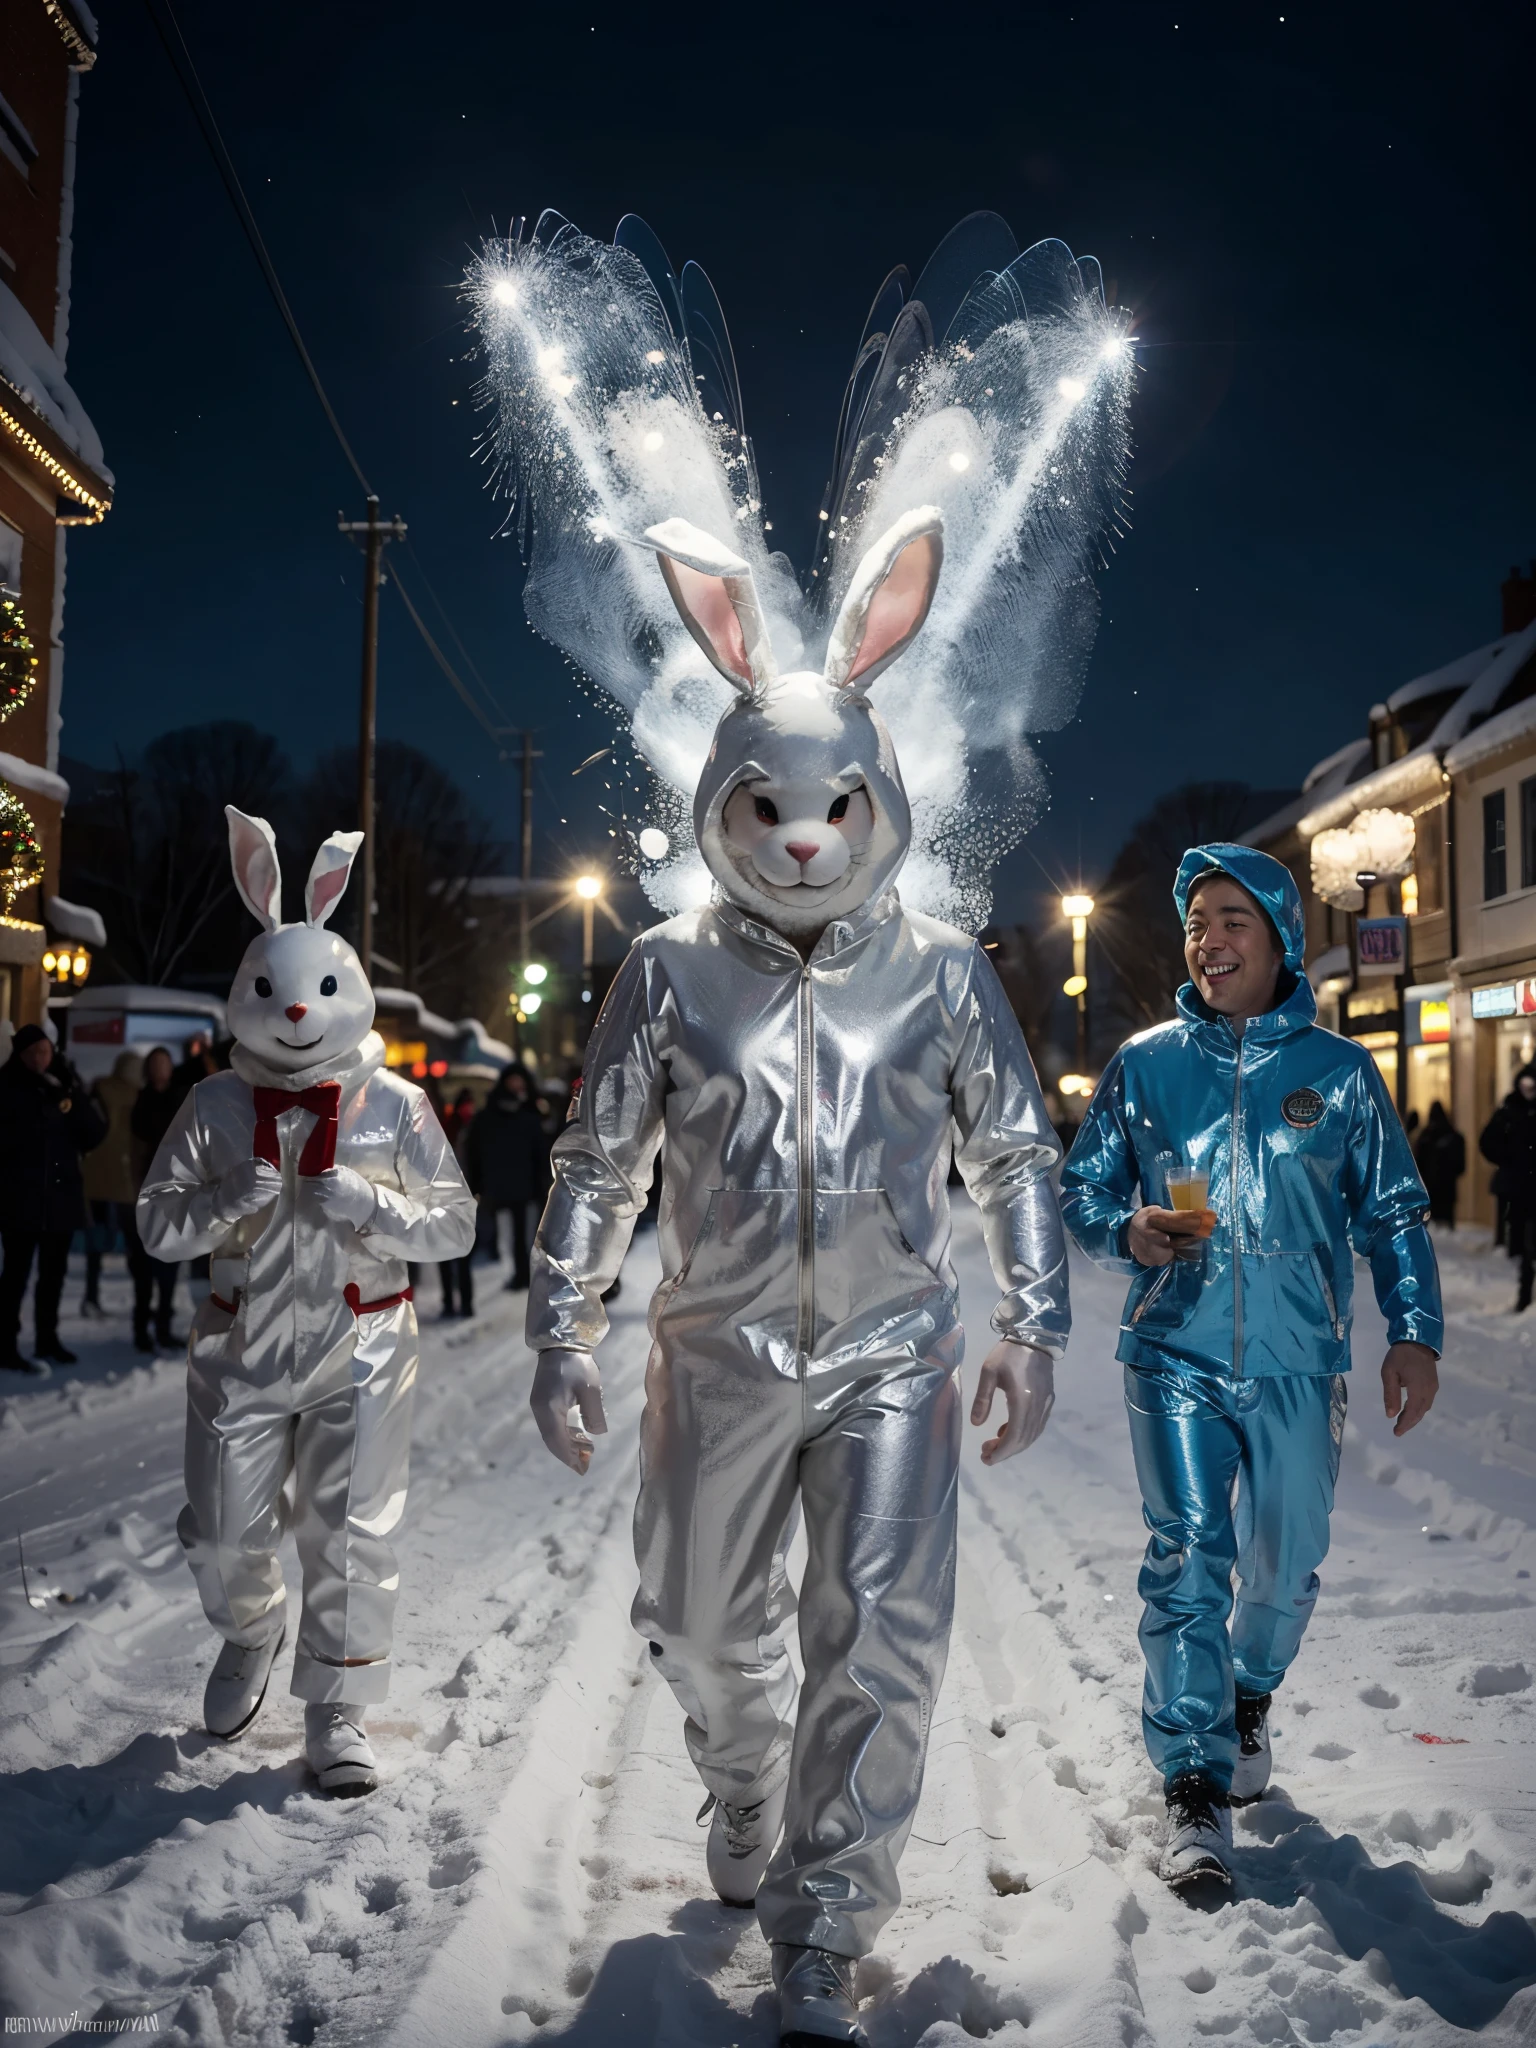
x,y
1235,1475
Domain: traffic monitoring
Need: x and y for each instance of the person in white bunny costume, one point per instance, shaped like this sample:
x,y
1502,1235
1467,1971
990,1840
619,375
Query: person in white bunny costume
x,y
311,1174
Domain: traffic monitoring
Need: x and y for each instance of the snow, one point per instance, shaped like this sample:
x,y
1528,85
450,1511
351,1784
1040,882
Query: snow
x,y
1487,739
530,1869
31,367
29,775
75,920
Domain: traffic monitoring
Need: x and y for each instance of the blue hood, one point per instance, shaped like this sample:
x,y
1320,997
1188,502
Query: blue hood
x,y
1266,879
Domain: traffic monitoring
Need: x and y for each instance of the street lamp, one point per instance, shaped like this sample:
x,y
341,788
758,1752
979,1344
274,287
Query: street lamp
x,y
1077,910
588,889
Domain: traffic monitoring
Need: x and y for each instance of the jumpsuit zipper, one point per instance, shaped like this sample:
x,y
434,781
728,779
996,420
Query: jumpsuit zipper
x,y
1237,1235
804,1150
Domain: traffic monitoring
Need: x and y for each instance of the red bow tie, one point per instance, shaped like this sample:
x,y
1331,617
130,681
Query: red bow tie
x,y
322,1101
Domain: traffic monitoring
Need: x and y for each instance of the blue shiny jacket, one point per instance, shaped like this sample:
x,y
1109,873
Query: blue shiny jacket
x,y
1306,1157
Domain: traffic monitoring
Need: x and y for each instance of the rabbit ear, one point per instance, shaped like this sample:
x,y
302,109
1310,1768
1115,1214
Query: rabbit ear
x,y
253,856
328,876
717,601
887,601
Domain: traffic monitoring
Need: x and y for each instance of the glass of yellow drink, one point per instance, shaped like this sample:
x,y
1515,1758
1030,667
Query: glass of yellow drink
x,y
1188,1187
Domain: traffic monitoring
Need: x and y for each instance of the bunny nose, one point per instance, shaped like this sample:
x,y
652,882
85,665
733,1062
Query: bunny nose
x,y
801,850
296,1010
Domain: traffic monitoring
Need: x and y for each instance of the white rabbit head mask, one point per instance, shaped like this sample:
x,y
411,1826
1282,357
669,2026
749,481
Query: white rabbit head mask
x,y
300,995
800,813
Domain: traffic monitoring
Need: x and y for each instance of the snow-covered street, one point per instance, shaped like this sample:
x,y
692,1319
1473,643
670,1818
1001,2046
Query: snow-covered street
x,y
531,1870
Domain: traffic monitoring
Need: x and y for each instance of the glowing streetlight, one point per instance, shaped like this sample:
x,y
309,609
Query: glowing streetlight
x,y
532,1002
588,889
1077,909
535,974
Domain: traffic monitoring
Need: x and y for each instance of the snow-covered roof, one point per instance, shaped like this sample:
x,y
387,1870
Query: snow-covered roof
x,y
1455,674
1330,775
1337,768
1504,663
132,995
75,920
492,1049
29,365
1492,734
31,775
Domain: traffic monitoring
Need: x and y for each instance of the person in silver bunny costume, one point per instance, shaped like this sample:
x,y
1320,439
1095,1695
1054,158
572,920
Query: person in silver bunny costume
x,y
311,1174
806,1054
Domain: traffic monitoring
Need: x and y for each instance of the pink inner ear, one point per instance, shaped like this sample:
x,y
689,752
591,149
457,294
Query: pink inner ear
x,y
324,890
709,605
900,604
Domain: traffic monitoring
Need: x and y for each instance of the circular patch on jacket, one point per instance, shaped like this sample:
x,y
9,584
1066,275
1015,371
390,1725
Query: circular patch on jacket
x,y
1303,1107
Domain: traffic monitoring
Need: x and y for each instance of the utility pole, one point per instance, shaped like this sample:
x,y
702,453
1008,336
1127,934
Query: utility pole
x,y
529,757
376,532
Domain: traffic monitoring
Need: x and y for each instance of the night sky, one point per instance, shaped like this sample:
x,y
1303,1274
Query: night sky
x,y
1319,215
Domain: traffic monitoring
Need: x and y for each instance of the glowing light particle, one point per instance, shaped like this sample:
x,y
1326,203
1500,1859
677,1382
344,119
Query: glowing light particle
x,y
562,386
654,844
550,358
959,462
654,356
504,294
1072,388
652,441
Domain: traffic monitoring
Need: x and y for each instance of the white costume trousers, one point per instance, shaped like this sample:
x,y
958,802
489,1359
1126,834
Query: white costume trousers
x,y
326,1453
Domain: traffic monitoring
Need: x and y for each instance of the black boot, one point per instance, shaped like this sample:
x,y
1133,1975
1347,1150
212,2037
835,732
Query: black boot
x,y
53,1351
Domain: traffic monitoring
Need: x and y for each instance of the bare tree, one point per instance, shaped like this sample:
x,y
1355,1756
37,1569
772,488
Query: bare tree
x,y
431,848
149,848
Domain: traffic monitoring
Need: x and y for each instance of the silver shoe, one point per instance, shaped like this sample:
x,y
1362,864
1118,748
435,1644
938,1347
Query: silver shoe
x,y
816,2001
237,1685
339,1752
741,1841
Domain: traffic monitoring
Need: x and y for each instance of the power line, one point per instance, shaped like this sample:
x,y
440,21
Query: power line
x,y
202,113
168,29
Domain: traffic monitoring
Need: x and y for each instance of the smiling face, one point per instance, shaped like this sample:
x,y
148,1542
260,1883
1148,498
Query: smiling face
x,y
300,997
1230,949
799,838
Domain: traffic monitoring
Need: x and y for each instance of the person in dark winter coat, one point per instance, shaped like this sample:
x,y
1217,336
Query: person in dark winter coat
x,y
506,1161
1440,1153
153,1113
48,1121
1509,1143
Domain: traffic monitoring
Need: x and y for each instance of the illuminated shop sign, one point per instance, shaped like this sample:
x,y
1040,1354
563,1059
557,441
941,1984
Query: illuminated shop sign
x,y
1382,943
1506,999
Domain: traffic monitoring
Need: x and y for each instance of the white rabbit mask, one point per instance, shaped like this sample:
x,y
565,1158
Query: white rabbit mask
x,y
801,814
300,998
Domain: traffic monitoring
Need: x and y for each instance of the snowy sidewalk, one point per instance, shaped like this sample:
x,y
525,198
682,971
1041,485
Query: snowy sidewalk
x,y
530,1869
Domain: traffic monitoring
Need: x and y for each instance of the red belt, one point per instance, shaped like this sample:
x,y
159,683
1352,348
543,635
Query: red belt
x,y
353,1296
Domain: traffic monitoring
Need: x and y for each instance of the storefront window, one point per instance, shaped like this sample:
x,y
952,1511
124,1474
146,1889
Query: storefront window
x,y
1429,858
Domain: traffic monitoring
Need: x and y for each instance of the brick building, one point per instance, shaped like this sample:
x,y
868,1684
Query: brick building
x,y
52,475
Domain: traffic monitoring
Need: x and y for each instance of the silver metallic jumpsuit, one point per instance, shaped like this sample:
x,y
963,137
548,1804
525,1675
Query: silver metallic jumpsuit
x,y
805,1335
302,1360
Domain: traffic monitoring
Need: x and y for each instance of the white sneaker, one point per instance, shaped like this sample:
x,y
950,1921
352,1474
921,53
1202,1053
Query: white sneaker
x,y
1199,1832
816,2001
1251,1774
741,1841
338,1750
237,1685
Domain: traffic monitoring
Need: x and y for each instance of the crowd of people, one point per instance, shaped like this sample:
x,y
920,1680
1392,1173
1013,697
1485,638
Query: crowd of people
x,y
73,1158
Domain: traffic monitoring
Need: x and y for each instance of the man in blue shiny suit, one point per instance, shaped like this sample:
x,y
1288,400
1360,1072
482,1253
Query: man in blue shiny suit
x,y
1235,1337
